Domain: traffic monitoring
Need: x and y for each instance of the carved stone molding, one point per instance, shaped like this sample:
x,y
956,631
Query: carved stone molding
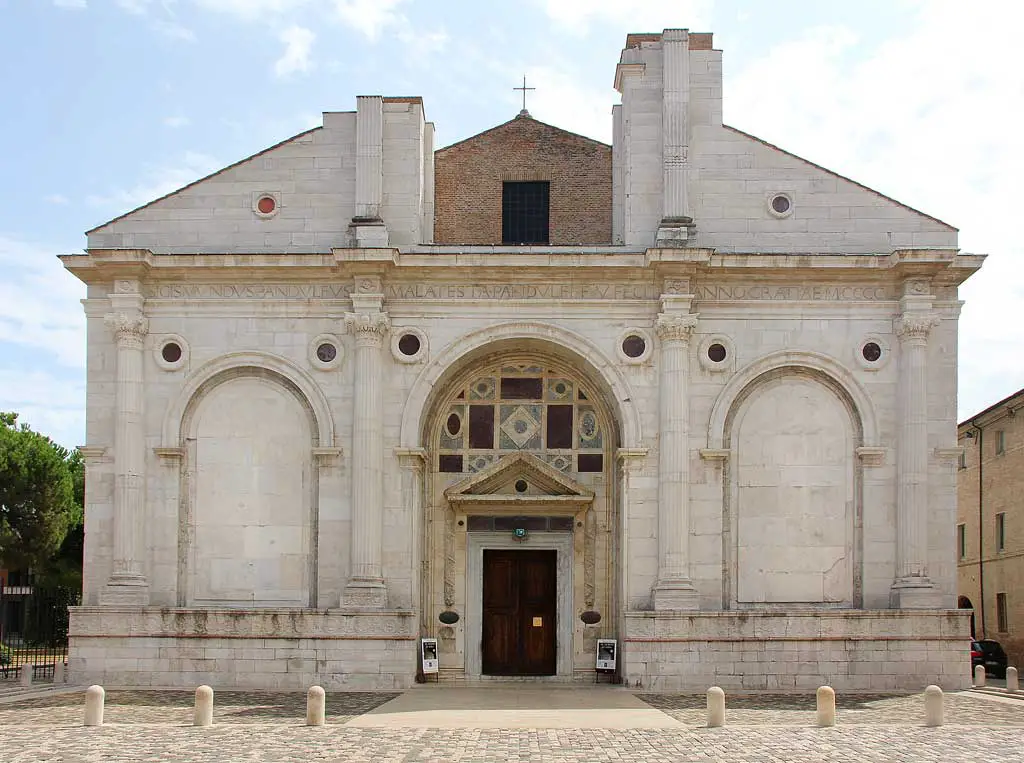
x,y
714,454
93,454
589,558
128,328
414,459
170,456
948,456
368,326
326,456
675,328
677,286
915,325
871,455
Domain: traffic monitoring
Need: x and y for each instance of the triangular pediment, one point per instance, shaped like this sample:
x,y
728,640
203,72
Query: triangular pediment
x,y
520,477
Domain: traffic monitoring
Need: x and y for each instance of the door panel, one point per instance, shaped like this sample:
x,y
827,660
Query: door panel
x,y
519,606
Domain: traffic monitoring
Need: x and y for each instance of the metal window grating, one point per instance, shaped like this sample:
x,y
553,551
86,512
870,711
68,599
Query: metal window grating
x,y
524,212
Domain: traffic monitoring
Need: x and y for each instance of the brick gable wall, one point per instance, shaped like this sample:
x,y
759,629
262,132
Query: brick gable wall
x,y
468,179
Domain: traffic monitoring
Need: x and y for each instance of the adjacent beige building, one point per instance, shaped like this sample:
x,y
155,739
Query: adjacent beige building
x,y
990,515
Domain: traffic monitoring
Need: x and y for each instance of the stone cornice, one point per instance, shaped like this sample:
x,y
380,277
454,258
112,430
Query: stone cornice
x,y
945,267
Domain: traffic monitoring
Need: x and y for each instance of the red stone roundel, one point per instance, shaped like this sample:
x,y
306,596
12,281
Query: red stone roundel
x,y
266,205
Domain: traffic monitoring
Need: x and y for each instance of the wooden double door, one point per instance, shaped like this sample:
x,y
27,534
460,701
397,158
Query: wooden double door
x,y
519,612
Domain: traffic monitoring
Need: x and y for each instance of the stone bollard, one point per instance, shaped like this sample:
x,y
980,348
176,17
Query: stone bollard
x,y
58,672
826,706
94,706
316,706
979,675
25,675
1012,679
204,707
716,707
933,706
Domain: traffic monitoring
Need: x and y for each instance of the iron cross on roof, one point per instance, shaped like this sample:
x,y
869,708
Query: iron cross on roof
x,y
524,88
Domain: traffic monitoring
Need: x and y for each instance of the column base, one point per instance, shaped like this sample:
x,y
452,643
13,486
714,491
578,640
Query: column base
x,y
915,593
369,232
675,232
362,593
123,589
669,595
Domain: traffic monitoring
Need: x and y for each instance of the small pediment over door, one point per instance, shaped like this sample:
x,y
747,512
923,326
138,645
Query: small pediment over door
x,y
519,483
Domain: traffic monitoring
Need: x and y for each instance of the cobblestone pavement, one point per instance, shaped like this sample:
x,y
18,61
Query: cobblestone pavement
x,y
774,709
151,726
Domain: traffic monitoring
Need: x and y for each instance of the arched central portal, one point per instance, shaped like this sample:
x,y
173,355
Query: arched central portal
x,y
519,538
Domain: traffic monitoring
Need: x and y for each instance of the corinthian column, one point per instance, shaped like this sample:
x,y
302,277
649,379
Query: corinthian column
x,y
369,325
912,589
127,583
674,589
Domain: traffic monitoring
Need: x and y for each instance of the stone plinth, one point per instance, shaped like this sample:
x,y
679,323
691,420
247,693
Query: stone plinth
x,y
850,650
242,649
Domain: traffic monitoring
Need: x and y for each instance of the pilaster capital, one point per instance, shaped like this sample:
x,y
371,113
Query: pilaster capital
x,y
675,327
370,327
412,459
915,325
129,328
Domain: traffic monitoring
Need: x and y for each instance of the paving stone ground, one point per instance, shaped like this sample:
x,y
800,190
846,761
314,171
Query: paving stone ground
x,y
151,726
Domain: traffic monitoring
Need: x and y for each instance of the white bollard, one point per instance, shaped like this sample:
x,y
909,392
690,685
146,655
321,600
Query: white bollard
x,y
979,675
933,706
58,672
25,675
204,707
94,706
316,706
826,706
716,707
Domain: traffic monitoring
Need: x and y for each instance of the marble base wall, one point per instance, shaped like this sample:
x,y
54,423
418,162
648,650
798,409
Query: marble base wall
x,y
790,651
241,649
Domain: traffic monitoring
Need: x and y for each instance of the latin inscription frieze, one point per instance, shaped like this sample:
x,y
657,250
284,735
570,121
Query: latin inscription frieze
x,y
801,293
251,291
511,291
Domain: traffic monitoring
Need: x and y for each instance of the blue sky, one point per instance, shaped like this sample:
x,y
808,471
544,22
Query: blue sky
x,y
110,103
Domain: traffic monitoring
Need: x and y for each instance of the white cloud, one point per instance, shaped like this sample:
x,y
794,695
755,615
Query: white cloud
x,y
298,43
159,181
137,7
53,405
56,198
174,122
39,303
72,5
250,9
921,117
561,99
172,30
370,17
646,16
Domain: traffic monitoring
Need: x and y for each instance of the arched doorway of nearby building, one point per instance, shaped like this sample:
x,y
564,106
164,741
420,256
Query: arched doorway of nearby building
x,y
964,603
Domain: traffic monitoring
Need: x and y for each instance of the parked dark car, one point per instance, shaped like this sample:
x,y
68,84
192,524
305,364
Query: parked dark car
x,y
989,653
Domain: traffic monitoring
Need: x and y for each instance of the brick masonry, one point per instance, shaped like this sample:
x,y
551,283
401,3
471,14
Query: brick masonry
x,y
468,181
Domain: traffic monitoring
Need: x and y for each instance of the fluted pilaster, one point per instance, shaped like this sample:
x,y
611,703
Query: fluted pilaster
x,y
912,587
674,589
366,583
127,584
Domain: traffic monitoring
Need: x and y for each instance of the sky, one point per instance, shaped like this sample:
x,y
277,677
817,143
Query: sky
x,y
107,104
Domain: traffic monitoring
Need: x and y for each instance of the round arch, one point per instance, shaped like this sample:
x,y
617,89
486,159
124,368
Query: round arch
x,y
554,339
822,364
221,368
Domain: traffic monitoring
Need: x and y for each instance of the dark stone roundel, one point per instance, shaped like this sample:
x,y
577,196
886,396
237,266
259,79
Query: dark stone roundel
x,y
448,617
633,346
171,352
590,617
716,352
871,352
409,345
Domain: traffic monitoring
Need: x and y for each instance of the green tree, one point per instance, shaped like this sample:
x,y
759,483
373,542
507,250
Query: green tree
x,y
37,495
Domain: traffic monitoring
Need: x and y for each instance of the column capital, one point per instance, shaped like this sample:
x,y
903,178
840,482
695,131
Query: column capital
x,y
369,327
915,325
129,328
672,327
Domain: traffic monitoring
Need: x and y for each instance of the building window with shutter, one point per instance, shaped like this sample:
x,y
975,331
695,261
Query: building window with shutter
x,y
963,458
1001,615
961,541
1001,531
1000,442
524,212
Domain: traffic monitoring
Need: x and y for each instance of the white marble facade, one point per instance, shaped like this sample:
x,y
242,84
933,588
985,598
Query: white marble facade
x,y
769,389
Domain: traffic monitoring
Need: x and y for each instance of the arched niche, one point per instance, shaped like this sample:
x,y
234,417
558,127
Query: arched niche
x,y
792,486
248,428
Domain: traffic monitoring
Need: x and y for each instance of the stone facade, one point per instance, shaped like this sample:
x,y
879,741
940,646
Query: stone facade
x,y
733,426
989,484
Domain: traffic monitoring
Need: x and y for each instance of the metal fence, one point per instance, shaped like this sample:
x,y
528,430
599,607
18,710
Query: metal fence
x,y
33,630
